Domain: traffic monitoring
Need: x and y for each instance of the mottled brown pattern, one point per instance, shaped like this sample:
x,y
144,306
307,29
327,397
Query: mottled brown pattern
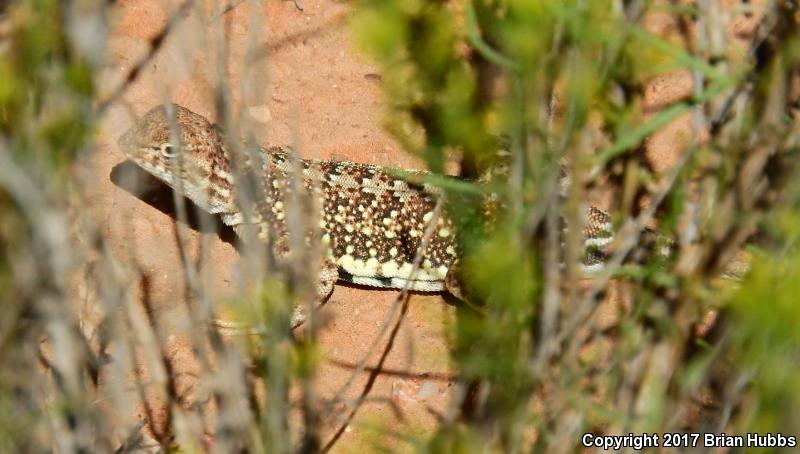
x,y
371,223
203,166
597,224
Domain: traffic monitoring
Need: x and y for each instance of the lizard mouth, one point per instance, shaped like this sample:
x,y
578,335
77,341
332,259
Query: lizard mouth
x,y
125,138
128,144
141,154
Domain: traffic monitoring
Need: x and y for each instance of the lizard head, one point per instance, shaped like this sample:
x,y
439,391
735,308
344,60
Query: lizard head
x,y
197,165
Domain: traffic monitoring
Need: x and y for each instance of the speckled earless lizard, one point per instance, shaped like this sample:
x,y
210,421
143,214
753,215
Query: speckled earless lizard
x,y
370,222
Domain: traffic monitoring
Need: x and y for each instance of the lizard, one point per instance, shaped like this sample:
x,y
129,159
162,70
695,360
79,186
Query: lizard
x,y
371,222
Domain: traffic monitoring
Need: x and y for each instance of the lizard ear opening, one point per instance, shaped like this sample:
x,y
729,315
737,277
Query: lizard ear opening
x,y
168,151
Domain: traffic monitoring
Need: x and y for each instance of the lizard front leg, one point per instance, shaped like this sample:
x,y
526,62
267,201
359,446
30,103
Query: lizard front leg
x,y
326,278
327,275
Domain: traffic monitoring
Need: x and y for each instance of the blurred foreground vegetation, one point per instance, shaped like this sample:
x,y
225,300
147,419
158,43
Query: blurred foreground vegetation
x,y
565,83
705,340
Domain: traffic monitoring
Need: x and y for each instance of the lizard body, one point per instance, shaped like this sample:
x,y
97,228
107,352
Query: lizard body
x,y
370,222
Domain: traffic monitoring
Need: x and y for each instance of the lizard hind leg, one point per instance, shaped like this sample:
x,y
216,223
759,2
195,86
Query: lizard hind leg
x,y
452,281
453,284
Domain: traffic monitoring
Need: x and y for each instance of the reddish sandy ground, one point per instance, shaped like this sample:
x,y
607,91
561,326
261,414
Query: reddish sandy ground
x,y
318,93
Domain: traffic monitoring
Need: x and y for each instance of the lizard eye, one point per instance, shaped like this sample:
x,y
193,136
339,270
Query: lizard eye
x,y
168,151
